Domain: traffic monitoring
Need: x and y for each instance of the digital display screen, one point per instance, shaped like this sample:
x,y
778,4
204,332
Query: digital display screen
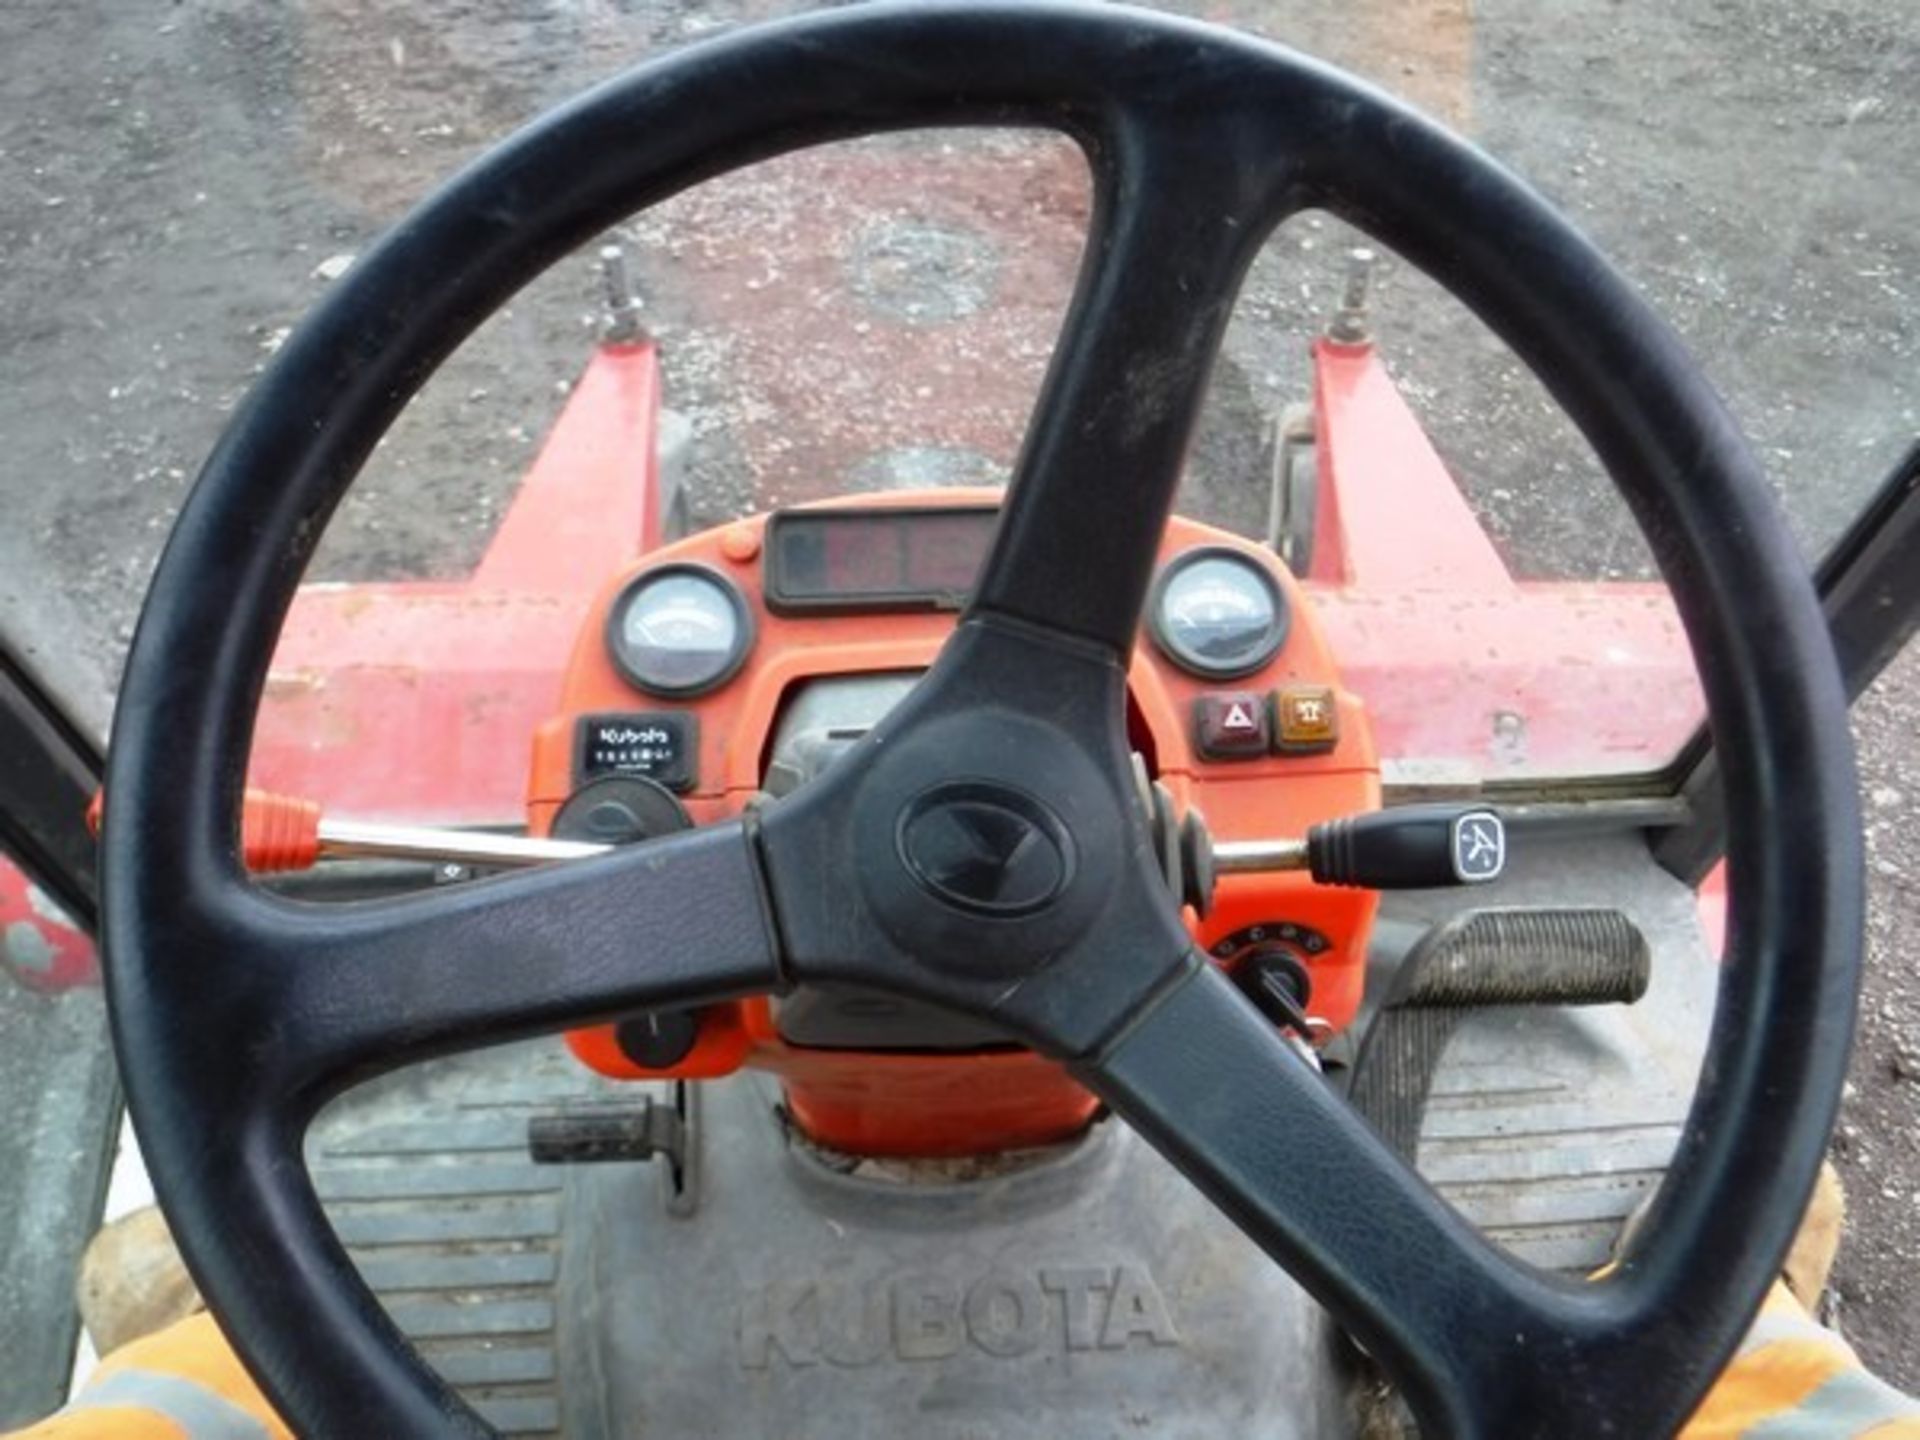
x,y
876,559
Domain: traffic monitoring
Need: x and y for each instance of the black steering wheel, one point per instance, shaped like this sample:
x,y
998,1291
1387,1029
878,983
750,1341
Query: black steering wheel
x,y
983,848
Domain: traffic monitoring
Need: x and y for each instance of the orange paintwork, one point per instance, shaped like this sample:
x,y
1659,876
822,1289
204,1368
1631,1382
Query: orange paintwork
x,y
893,1103
591,495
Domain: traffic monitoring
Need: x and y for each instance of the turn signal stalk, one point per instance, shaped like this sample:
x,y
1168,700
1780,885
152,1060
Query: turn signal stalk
x,y
1407,847
279,833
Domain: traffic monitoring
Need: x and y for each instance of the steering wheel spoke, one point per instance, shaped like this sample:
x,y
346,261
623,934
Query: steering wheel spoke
x,y
340,990
1183,198
1205,1079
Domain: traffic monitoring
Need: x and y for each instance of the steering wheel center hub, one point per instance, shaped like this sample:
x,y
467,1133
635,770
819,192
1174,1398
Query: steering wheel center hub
x,y
985,848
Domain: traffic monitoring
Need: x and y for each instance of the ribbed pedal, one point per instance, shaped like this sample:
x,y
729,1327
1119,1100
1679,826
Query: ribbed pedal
x,y
1527,957
1478,960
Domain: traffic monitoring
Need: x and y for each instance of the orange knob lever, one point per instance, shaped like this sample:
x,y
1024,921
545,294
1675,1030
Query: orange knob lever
x,y
277,832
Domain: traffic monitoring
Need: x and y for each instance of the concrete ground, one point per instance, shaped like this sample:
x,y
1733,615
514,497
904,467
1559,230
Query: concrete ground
x,y
179,182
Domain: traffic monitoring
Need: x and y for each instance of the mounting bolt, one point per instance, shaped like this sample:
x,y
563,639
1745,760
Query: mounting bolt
x,y
623,304
1352,325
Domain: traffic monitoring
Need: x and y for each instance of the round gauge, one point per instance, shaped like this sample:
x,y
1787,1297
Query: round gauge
x,y
1218,613
679,630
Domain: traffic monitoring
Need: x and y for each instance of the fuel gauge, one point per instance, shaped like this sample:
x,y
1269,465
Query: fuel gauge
x,y
1217,613
679,630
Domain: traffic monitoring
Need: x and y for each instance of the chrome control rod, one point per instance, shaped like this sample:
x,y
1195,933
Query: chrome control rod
x,y
368,840
1258,857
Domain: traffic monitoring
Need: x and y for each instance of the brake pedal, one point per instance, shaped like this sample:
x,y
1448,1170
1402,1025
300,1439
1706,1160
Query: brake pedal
x,y
1482,959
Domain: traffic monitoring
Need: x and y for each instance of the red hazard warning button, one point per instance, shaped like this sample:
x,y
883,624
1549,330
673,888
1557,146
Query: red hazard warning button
x,y
1230,725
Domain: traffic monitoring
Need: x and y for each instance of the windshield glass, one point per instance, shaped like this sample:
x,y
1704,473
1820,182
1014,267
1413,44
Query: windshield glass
x,y
878,315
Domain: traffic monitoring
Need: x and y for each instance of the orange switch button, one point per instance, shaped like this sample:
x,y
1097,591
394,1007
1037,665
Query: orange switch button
x,y
1306,721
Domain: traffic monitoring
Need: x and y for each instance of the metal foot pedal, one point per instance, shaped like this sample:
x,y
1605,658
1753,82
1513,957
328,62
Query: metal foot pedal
x,y
1478,960
664,1129
599,1136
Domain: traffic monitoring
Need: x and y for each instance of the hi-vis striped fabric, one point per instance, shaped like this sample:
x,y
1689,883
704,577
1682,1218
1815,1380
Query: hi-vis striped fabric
x,y
184,1383
1793,1379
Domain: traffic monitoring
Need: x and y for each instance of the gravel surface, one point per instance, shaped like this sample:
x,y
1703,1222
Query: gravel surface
x,y
1877,1147
179,182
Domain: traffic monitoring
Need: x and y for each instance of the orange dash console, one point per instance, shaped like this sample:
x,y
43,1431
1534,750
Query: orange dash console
x,y
908,1102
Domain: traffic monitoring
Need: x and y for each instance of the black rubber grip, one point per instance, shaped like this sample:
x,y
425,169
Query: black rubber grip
x,y
1409,847
1527,957
584,1137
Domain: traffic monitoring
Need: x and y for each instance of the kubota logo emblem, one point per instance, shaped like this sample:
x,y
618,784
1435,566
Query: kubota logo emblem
x,y
924,1315
985,847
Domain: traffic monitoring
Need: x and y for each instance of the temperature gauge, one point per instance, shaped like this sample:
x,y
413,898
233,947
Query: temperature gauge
x,y
679,630
1218,614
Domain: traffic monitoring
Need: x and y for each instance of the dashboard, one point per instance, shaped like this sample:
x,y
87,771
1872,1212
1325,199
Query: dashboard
x,y
729,668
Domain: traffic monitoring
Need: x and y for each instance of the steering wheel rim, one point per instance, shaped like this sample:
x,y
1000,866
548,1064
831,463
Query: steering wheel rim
x,y
236,1015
